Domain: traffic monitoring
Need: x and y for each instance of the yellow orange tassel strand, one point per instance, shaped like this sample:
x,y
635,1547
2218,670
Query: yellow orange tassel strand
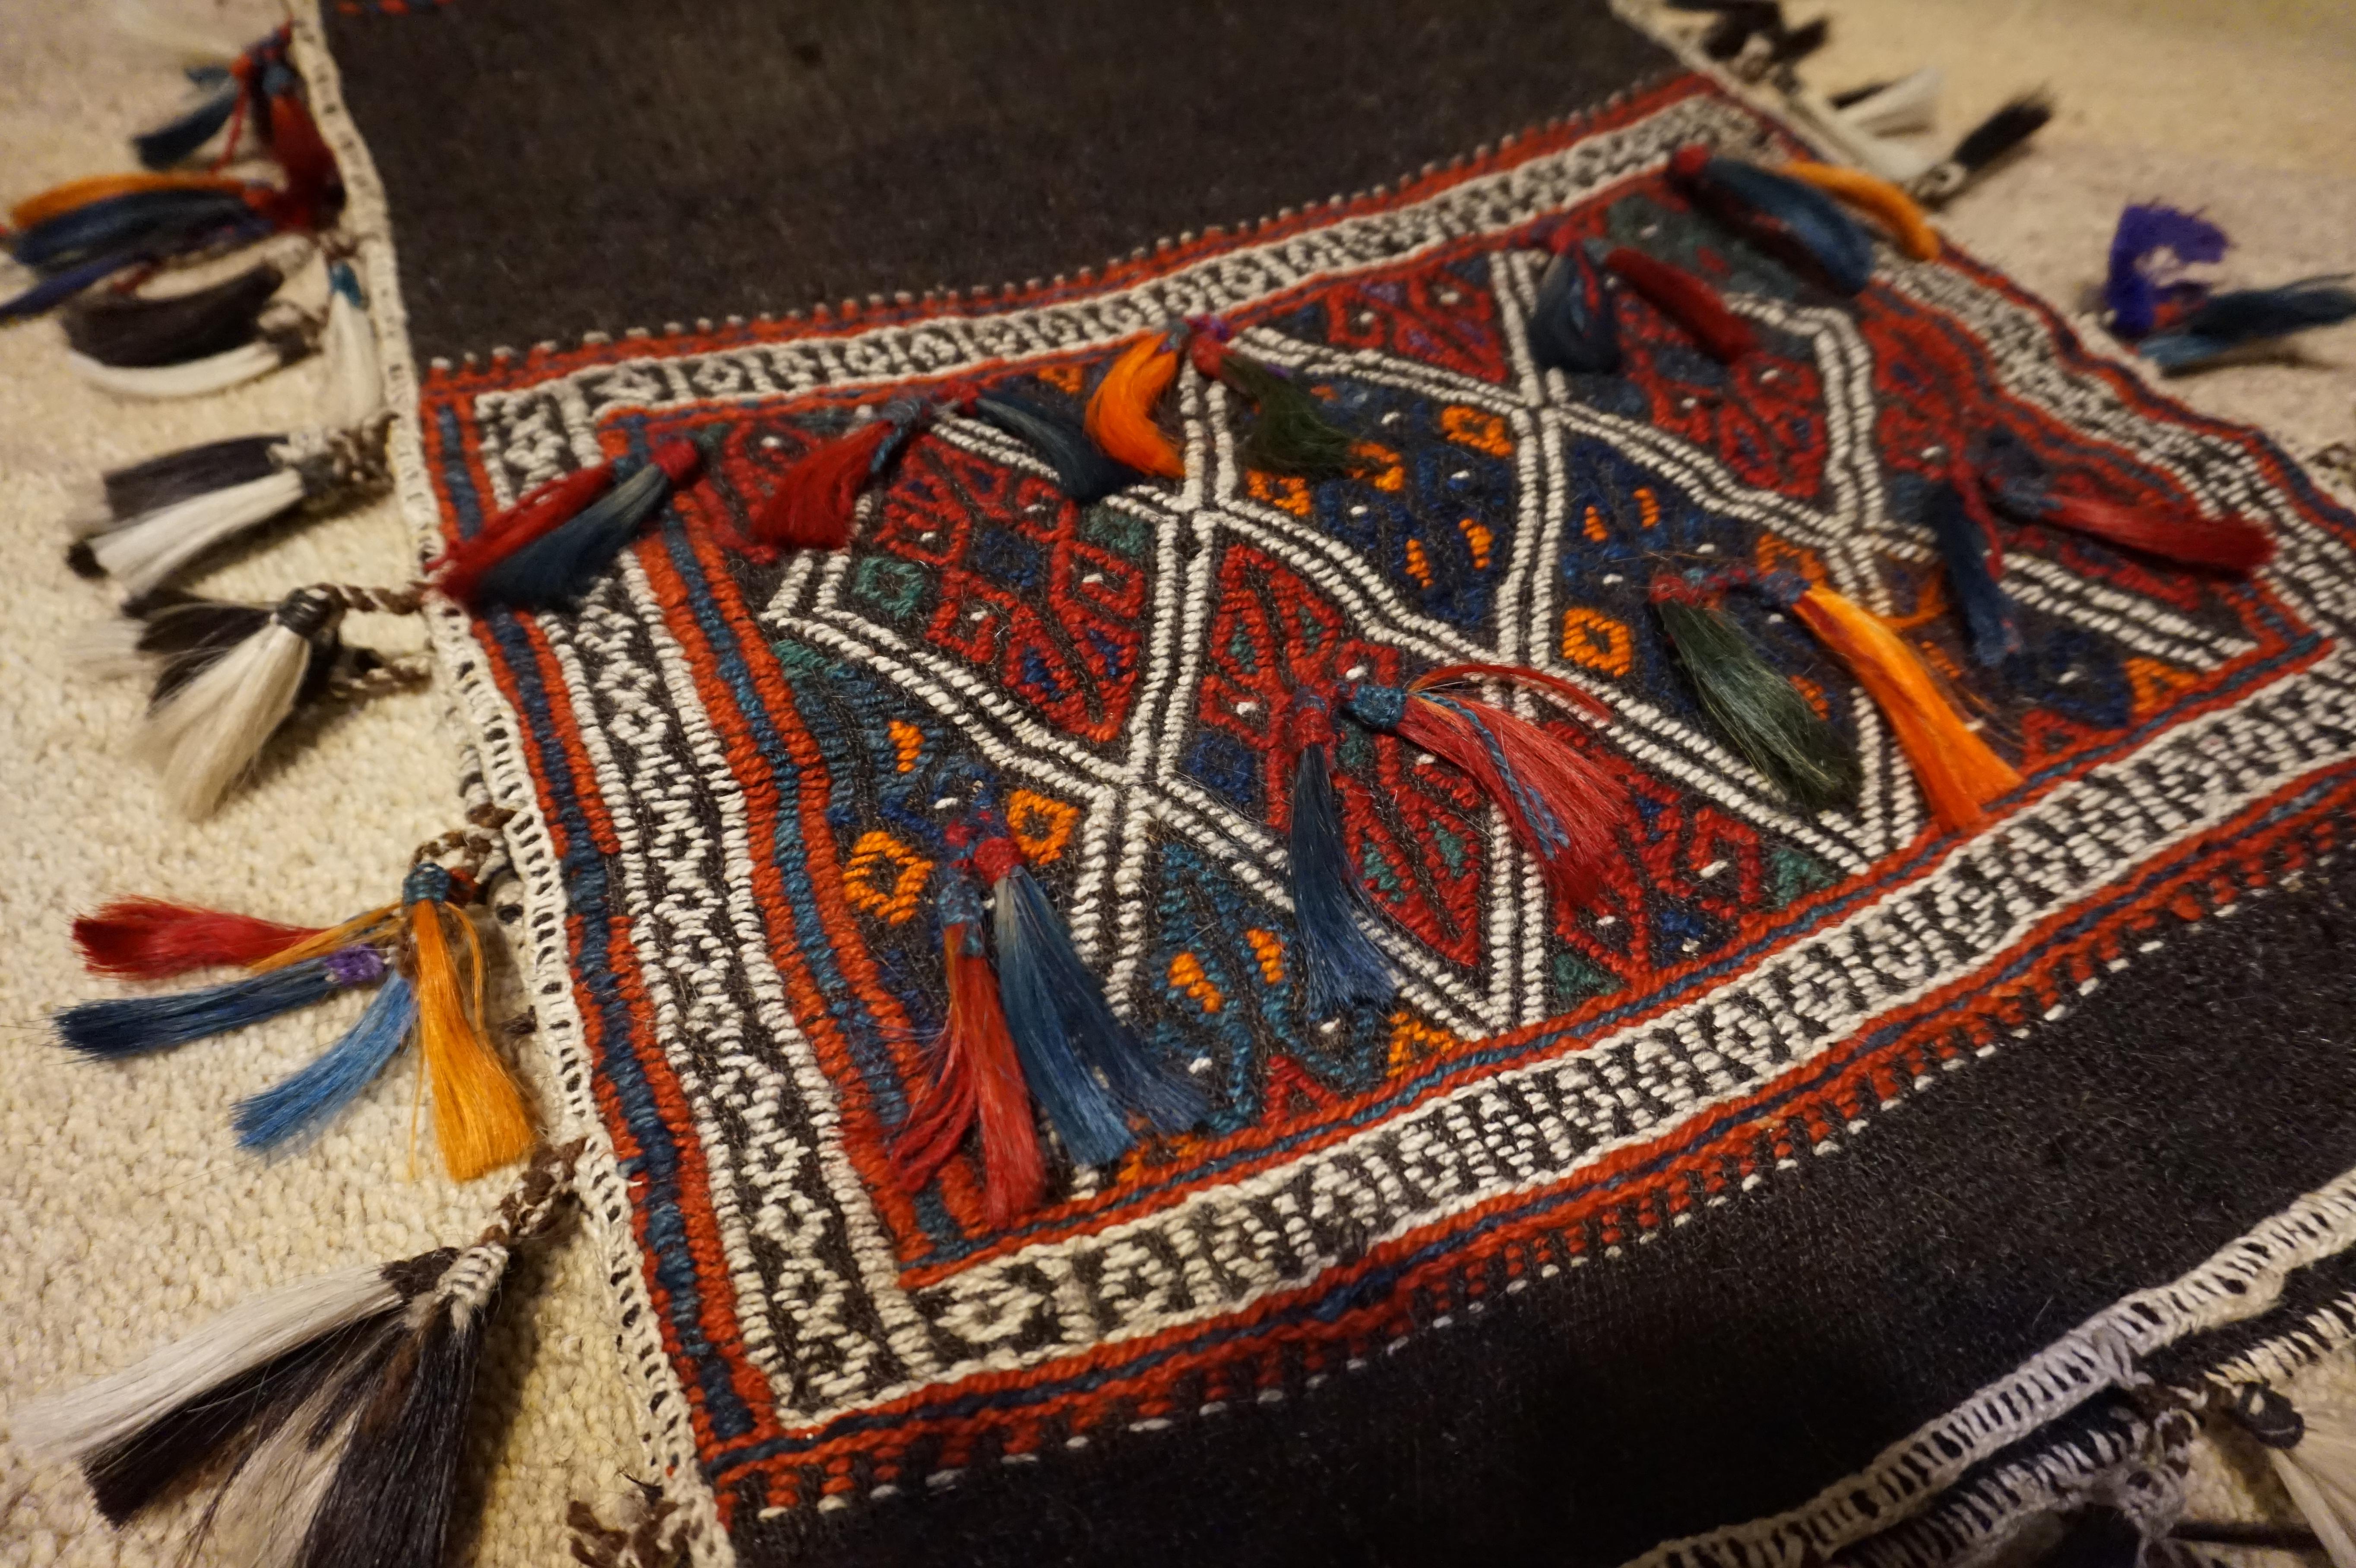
x,y
375,928
1958,773
64,198
1120,414
479,1114
1879,200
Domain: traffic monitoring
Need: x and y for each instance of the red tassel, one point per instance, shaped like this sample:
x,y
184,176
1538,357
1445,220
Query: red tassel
x,y
2233,545
1563,807
243,71
148,939
312,181
1694,304
460,570
812,506
980,1083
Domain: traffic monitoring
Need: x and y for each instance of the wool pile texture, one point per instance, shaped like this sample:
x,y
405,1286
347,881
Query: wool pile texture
x,y
1809,1167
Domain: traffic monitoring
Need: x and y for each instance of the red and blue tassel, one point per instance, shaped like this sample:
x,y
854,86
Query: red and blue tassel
x,y
1787,216
1089,1071
2019,484
553,544
1688,301
78,234
1560,804
1572,326
817,498
978,1085
229,96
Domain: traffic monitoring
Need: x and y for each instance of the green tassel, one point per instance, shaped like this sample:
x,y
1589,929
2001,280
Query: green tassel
x,y
1761,711
1292,432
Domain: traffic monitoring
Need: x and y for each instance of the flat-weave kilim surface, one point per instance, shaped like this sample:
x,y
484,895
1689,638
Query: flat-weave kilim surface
x,y
1813,1164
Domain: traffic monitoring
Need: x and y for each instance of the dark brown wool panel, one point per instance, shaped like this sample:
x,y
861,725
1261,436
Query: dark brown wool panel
x,y
599,165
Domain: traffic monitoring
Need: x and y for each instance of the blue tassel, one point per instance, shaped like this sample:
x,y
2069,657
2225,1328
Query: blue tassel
x,y
1085,474
175,139
129,1025
123,223
2149,249
61,286
1085,1116
1798,212
559,566
1084,1065
1572,328
55,290
1340,964
319,1091
2243,316
1989,614
1035,954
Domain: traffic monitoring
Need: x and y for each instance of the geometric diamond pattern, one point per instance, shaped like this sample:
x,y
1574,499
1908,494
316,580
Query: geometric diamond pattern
x,y
1133,659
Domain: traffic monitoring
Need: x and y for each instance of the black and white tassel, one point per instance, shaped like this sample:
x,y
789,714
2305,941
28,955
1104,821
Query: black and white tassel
x,y
2315,1459
1990,140
184,345
334,1412
161,515
228,674
137,330
1899,108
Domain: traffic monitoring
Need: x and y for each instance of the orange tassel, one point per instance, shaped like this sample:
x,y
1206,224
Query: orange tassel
x,y
1121,415
1878,199
479,1114
63,198
362,930
1958,773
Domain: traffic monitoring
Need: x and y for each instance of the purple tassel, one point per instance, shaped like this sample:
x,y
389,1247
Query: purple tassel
x,y
2149,251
